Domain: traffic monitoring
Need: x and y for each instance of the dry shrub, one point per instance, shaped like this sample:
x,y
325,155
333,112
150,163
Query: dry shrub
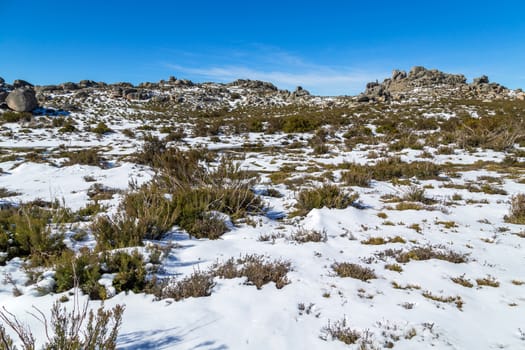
x,y
356,271
517,210
257,269
198,284
427,253
304,236
67,329
341,331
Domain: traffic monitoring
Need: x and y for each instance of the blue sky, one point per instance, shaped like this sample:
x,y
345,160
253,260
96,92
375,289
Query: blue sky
x,y
328,47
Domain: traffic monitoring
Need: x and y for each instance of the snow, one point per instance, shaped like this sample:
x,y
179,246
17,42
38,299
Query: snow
x,y
239,316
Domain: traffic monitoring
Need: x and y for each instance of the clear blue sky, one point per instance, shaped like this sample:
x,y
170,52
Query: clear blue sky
x,y
328,47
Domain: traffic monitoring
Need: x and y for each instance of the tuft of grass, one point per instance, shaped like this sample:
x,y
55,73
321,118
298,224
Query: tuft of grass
x,y
394,267
257,269
381,240
198,284
427,253
457,300
304,236
329,196
356,271
517,210
488,281
341,331
461,280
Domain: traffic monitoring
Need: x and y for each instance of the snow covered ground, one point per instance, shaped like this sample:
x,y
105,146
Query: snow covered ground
x,y
416,308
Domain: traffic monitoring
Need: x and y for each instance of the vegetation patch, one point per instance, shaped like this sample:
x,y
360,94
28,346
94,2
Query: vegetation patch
x,y
356,271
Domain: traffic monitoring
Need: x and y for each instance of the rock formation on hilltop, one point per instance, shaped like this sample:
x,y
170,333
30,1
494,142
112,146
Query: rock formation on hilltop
x,y
431,83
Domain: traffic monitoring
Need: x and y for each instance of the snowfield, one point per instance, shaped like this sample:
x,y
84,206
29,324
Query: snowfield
x,y
418,307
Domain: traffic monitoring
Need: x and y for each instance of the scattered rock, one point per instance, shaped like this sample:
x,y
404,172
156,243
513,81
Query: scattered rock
x,y
19,83
3,96
481,80
300,92
69,86
22,100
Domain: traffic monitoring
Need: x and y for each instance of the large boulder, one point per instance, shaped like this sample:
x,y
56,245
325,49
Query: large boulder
x,y
3,96
481,80
2,81
22,100
19,83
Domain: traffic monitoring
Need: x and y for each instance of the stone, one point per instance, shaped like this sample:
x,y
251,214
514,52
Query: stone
x,y
363,98
69,86
2,81
481,80
19,83
3,96
22,100
300,92
398,75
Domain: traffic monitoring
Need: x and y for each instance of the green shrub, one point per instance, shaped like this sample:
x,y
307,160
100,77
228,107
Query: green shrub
x,y
298,123
129,269
25,232
356,176
101,129
15,117
329,196
83,157
82,270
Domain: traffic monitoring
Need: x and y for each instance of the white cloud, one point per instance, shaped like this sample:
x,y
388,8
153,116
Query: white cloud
x,y
318,79
268,63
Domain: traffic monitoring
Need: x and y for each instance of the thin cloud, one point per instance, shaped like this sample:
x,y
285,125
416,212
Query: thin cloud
x,y
318,79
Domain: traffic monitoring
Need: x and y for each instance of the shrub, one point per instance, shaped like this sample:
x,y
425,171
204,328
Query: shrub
x,y
354,271
487,281
25,232
298,123
198,284
15,117
426,253
461,280
391,168
129,269
329,196
82,270
83,157
257,269
356,176
101,129
67,329
517,210
304,236
85,269
341,331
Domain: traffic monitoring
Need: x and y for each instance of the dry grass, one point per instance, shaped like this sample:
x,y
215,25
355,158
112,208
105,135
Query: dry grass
x,y
488,281
356,271
517,210
457,300
257,269
304,236
461,280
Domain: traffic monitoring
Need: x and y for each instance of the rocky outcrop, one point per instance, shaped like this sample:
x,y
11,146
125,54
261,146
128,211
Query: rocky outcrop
x,y
19,83
3,96
430,83
253,84
22,99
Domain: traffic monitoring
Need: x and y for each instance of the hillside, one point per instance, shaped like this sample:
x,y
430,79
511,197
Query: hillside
x,y
242,216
